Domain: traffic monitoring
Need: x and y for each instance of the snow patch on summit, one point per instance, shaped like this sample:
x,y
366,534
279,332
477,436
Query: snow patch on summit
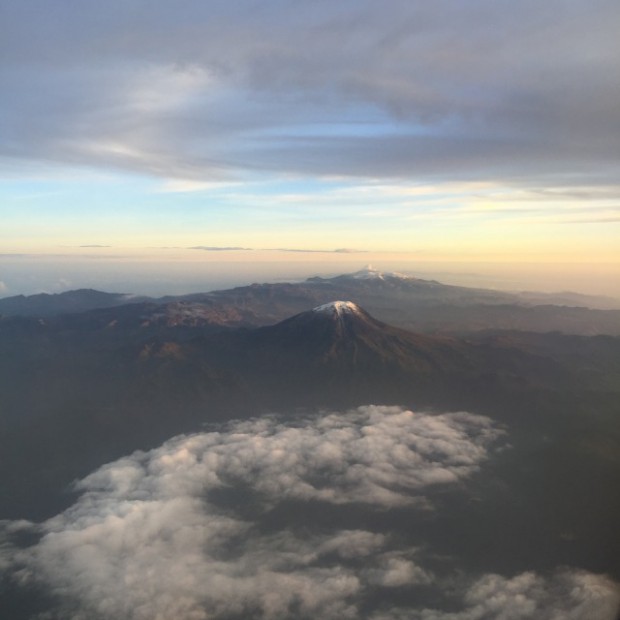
x,y
369,273
338,308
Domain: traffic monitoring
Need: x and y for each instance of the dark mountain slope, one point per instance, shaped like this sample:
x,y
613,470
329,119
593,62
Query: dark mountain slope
x,y
80,390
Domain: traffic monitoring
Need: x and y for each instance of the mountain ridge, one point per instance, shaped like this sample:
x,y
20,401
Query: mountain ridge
x,y
405,301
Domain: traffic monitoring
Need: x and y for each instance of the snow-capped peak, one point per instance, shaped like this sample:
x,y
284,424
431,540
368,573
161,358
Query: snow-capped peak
x,y
368,273
338,308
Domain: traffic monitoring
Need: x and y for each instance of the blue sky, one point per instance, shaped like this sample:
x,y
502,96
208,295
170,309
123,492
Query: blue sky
x,y
410,131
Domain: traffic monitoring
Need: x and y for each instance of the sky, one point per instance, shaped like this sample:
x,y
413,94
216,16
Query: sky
x,y
191,144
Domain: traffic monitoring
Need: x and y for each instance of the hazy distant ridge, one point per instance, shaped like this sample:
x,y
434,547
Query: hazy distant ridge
x,y
413,303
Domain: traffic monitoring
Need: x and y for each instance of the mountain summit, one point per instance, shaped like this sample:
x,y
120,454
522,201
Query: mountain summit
x,y
341,334
339,308
369,273
336,325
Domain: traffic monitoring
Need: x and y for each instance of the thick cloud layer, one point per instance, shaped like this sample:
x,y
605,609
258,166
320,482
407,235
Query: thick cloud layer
x,y
212,526
565,595
209,90
378,455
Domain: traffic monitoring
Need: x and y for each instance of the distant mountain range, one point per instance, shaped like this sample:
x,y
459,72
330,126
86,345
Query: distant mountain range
x,y
421,305
45,304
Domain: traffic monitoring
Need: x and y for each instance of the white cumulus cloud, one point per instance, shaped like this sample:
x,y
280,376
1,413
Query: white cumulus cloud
x,y
567,594
205,526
